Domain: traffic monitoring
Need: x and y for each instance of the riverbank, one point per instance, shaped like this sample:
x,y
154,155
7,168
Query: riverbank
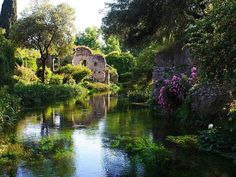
x,y
40,95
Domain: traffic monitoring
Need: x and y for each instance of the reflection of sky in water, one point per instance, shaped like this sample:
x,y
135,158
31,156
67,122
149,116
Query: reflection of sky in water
x,y
93,159
31,131
31,128
57,120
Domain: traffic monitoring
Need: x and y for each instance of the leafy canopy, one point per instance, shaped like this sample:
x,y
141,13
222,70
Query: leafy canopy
x,y
213,42
46,28
137,21
90,38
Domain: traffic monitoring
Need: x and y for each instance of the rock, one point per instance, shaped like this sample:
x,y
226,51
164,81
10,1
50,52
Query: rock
x,y
171,62
209,98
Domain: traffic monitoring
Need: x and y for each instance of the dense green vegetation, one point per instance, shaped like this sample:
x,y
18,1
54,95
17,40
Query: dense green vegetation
x,y
133,33
8,15
212,41
39,94
49,30
6,59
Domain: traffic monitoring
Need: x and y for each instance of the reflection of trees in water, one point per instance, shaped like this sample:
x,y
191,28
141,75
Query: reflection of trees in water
x,y
134,123
44,126
98,107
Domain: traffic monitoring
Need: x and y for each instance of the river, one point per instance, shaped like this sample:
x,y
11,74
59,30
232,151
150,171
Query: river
x,y
91,124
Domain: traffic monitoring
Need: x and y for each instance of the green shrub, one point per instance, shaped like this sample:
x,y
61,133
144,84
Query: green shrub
x,y
123,62
97,86
27,58
9,106
25,75
212,42
139,94
183,110
186,141
78,73
48,74
220,140
100,87
82,74
40,94
125,77
56,79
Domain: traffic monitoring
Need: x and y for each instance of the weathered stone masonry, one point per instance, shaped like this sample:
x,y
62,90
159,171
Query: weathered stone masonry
x,y
96,63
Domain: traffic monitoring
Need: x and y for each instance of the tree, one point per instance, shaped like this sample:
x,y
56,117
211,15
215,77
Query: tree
x,y
90,38
112,44
213,43
46,28
123,62
7,62
141,21
8,15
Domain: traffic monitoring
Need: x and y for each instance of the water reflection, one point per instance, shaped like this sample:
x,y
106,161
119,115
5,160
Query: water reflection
x,y
90,123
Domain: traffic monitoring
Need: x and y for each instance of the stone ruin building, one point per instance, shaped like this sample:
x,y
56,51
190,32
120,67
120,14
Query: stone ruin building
x,y
168,63
96,63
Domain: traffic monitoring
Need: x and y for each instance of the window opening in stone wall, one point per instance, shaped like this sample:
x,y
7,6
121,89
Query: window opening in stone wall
x,y
84,63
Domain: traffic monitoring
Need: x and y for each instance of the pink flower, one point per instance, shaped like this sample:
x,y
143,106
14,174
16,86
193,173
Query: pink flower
x,y
194,69
166,81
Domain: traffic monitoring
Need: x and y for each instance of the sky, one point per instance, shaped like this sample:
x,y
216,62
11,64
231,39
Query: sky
x,y
88,12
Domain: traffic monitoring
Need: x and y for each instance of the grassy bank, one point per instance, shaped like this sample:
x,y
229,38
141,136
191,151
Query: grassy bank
x,y
41,94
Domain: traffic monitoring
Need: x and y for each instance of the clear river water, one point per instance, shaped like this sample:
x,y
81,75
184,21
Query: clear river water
x,y
91,123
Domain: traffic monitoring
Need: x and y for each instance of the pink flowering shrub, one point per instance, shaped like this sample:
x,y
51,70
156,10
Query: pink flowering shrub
x,y
175,90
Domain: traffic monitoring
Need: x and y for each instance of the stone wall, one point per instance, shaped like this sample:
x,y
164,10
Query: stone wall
x,y
96,63
168,63
209,98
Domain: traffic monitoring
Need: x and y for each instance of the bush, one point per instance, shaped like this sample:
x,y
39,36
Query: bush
x,y
48,74
56,79
186,141
25,75
126,77
175,90
96,86
220,140
140,94
9,106
123,62
78,73
27,58
40,94
212,41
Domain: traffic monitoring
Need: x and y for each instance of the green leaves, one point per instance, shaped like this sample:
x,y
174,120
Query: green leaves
x,y
140,21
90,38
212,42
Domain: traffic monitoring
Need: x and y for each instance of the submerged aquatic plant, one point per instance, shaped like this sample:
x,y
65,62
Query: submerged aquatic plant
x,y
144,149
51,146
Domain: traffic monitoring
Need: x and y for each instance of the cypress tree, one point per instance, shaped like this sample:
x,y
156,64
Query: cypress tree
x,y
8,15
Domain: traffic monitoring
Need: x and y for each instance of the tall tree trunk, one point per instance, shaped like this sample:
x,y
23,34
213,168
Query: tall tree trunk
x,y
43,68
